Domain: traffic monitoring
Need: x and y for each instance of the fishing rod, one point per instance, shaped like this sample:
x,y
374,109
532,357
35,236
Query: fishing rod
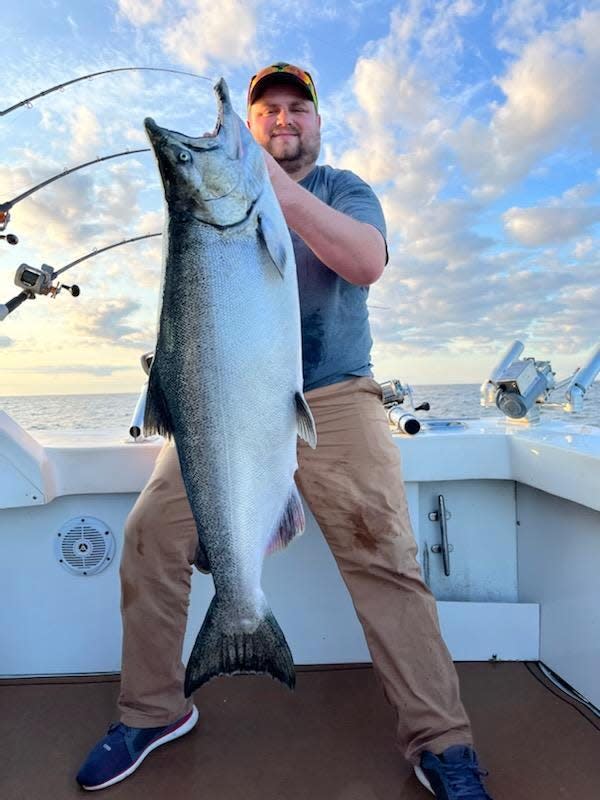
x,y
34,281
29,100
6,206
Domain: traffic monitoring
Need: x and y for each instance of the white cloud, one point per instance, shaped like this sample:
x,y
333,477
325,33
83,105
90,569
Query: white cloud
x,y
456,285
111,321
583,247
557,220
535,227
137,136
389,90
576,326
448,281
73,369
47,216
435,312
519,21
85,134
395,114
548,91
84,209
208,32
141,12
151,222
6,341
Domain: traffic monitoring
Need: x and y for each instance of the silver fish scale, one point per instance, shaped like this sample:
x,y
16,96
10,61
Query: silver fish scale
x,y
238,446
226,381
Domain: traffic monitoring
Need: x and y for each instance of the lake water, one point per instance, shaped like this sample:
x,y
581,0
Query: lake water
x,y
93,411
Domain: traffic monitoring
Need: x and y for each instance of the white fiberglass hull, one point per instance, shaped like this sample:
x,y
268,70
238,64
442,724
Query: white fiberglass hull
x,y
524,530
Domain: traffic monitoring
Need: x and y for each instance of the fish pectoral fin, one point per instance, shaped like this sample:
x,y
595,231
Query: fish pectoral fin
x,y
274,243
305,420
157,417
218,653
290,525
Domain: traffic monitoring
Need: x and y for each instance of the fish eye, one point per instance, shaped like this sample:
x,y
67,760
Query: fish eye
x,y
184,156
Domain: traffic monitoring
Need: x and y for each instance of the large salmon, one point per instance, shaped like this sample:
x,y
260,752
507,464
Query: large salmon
x,y
229,338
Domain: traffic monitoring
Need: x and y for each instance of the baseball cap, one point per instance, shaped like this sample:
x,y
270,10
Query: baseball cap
x,y
282,73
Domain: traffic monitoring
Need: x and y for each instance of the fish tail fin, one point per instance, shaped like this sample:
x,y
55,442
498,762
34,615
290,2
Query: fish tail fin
x,y
290,525
217,653
157,418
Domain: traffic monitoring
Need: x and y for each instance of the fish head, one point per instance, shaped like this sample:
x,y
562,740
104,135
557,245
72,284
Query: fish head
x,y
217,177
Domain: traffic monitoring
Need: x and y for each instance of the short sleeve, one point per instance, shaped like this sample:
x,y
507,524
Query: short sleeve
x,y
352,196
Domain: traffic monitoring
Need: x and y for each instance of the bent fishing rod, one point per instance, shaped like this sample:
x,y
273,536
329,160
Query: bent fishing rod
x,y
34,281
12,239
59,86
6,206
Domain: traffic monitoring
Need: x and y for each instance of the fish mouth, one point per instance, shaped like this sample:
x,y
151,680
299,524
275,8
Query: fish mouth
x,y
157,134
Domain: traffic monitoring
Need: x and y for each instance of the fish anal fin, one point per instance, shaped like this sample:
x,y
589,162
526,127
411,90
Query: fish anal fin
x,y
291,524
265,651
273,242
306,423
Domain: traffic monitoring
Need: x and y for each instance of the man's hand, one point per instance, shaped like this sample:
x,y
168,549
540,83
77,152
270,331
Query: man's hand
x,y
280,180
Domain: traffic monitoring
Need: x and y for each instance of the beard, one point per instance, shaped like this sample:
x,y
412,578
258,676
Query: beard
x,y
295,153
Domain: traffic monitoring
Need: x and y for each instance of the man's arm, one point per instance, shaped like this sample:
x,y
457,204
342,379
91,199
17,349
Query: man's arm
x,y
354,250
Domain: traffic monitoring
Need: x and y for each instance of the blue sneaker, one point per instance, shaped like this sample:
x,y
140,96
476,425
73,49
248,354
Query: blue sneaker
x,y
453,775
123,749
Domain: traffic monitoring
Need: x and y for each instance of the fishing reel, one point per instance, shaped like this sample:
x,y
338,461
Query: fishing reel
x,y
33,281
393,394
519,387
9,238
39,281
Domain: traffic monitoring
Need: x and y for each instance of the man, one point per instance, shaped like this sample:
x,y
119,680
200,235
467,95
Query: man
x,y
351,481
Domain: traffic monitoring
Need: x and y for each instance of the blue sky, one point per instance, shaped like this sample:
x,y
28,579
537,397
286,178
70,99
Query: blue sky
x,y
477,124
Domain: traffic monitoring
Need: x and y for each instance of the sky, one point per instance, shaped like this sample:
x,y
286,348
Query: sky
x,y
476,123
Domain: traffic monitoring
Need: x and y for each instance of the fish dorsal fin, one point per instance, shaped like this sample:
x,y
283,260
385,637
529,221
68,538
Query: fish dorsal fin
x,y
274,243
305,421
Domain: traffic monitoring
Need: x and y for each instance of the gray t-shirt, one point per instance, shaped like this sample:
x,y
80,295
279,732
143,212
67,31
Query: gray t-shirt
x,y
336,338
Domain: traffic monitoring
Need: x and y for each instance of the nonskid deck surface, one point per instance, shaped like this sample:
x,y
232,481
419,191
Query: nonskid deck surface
x,y
331,739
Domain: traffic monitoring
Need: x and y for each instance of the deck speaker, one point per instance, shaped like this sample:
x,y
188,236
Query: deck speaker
x,y
84,546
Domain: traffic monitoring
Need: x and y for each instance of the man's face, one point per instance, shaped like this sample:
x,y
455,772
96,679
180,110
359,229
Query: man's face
x,y
284,121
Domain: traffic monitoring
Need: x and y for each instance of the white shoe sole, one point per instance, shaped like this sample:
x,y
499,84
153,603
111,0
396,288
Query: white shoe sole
x,y
180,731
421,776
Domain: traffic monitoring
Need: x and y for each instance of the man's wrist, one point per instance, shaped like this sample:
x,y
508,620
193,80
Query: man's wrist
x,y
289,194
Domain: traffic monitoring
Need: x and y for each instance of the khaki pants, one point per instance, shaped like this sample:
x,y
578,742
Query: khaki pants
x,y
353,485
